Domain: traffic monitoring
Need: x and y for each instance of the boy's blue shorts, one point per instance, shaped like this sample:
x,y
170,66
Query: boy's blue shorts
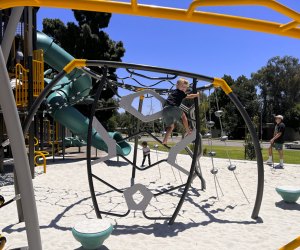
x,y
171,114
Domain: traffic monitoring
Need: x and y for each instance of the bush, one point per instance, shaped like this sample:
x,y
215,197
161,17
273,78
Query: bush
x,y
249,148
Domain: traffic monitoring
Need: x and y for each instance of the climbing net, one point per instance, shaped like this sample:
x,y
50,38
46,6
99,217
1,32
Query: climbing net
x,y
141,83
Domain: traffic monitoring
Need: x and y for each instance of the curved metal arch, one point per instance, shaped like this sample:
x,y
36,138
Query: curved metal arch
x,y
215,81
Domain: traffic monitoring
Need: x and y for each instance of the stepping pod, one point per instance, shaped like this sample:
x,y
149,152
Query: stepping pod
x,y
218,113
224,138
210,124
207,135
92,233
289,194
232,167
212,153
214,170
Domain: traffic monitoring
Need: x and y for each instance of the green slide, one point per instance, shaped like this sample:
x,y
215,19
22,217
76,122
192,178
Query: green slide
x,y
59,102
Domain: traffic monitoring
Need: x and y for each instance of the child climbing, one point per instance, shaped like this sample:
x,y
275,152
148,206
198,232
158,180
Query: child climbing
x,y
172,113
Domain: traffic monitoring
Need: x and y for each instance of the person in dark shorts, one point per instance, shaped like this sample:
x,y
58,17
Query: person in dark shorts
x,y
172,113
277,141
146,153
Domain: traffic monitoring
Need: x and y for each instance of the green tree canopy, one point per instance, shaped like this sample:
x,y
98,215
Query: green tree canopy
x,y
232,121
279,85
87,40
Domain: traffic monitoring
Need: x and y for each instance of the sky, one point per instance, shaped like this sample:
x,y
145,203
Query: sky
x,y
204,49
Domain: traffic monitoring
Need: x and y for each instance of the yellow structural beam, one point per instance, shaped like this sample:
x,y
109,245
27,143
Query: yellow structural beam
x,y
74,64
188,15
219,82
292,245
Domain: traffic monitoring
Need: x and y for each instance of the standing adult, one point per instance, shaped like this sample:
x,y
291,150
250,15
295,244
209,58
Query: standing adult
x,y
277,141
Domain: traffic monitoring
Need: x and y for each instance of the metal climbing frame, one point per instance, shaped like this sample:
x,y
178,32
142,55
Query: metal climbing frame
x,y
214,82
132,7
188,14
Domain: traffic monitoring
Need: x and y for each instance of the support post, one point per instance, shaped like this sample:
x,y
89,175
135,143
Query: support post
x,y
22,169
30,87
1,140
136,141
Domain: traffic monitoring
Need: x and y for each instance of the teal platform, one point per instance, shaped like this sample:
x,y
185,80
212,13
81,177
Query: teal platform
x,y
92,233
289,194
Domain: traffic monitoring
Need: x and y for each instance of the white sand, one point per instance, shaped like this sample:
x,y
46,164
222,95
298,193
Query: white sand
x,y
204,222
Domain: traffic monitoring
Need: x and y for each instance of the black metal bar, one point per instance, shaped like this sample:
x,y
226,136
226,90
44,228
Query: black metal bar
x,y
136,141
260,164
89,143
114,214
112,64
1,132
1,27
155,218
151,78
30,103
169,190
203,182
41,137
195,156
141,133
142,169
63,134
107,184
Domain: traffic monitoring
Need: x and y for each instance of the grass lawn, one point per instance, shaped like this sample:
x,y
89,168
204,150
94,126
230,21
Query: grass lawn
x,y
290,156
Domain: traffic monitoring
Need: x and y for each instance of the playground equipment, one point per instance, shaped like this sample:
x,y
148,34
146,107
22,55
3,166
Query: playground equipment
x,y
289,194
92,233
126,102
294,244
190,14
209,123
71,89
2,242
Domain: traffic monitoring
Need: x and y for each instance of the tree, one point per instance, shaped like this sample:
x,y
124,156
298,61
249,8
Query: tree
x,y
279,85
232,122
87,40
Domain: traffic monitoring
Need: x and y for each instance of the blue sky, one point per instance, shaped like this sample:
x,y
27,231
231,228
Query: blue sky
x,y
204,49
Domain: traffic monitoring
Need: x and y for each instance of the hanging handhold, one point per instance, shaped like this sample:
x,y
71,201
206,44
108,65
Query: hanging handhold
x,y
224,138
214,170
210,124
212,153
207,135
231,167
218,113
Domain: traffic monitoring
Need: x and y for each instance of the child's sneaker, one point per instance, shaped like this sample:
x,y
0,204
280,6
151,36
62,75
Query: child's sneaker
x,y
269,162
279,166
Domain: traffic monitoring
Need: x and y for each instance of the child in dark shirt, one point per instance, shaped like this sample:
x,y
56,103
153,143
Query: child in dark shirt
x,y
146,153
171,112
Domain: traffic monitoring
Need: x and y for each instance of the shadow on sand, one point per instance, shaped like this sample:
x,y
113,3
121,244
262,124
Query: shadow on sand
x,y
287,206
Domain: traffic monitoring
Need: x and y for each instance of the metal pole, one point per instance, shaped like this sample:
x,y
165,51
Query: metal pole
x,y
136,141
6,44
260,164
63,134
22,169
10,30
1,140
30,86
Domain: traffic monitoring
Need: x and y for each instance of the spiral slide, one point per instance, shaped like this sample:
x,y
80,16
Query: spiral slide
x,y
59,101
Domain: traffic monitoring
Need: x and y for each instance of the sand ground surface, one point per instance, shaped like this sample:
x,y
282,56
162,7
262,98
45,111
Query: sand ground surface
x,y
210,219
